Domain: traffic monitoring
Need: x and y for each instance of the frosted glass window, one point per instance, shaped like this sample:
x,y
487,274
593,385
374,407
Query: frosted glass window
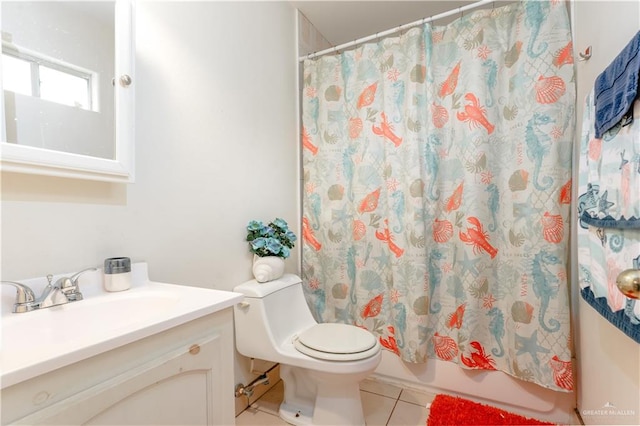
x,y
63,88
33,75
16,75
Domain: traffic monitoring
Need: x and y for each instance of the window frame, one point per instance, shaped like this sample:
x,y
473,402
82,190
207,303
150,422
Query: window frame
x,y
37,60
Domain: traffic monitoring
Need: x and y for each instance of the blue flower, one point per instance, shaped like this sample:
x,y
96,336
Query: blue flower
x,y
273,245
290,235
259,243
268,231
280,223
255,225
273,239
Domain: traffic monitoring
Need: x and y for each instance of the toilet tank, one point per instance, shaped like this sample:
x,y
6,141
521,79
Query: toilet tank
x,y
271,313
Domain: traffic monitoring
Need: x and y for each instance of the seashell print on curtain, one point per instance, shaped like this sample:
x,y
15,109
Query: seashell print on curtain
x,y
435,201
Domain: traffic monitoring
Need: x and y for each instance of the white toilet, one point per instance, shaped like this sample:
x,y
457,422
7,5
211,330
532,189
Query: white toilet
x,y
321,364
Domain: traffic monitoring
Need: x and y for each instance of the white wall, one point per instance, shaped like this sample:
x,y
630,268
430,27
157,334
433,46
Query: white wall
x,y
608,361
309,38
216,146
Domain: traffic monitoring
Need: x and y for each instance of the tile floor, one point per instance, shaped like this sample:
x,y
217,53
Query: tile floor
x,y
383,404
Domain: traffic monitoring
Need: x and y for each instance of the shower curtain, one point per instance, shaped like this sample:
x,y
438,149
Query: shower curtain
x,y
437,186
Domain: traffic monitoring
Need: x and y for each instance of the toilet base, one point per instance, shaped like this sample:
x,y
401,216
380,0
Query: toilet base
x,y
313,397
338,403
295,415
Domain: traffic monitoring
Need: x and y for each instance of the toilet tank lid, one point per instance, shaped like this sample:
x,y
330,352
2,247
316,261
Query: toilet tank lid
x,y
259,290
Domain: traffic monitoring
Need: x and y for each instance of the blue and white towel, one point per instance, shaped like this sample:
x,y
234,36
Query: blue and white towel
x,y
616,88
609,217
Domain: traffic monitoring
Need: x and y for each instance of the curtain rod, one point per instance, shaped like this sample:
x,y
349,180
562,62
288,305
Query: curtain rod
x,y
395,30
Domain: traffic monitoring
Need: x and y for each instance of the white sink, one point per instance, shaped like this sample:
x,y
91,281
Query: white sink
x,y
100,315
37,342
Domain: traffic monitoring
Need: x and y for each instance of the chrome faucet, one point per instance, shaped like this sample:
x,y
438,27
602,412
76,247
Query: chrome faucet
x,y
64,290
52,295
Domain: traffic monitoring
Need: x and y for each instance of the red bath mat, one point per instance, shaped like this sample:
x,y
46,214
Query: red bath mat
x,y
450,410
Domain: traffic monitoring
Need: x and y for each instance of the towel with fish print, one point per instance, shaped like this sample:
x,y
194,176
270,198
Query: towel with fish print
x,y
609,217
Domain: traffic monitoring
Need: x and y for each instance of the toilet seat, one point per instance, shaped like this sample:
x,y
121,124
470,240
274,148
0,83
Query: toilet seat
x,y
337,342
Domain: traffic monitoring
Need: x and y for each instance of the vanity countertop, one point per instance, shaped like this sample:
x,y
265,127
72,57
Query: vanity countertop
x,y
37,342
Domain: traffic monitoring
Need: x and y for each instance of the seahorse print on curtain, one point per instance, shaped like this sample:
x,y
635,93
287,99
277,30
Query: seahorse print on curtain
x,y
435,210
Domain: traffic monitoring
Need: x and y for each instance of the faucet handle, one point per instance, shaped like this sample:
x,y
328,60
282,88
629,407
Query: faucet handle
x,y
24,297
69,286
75,276
23,293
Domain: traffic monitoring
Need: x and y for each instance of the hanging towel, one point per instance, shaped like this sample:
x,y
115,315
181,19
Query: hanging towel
x,y
617,87
611,197
608,209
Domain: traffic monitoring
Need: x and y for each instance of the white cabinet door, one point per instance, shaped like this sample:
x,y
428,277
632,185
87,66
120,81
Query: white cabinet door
x,y
176,388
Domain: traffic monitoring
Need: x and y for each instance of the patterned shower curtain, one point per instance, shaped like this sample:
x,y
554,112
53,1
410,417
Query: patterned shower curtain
x,y
437,186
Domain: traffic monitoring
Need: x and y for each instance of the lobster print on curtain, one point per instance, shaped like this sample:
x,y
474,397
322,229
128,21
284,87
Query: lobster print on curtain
x,y
435,200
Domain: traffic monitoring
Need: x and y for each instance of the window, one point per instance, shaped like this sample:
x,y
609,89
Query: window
x,y
17,75
34,75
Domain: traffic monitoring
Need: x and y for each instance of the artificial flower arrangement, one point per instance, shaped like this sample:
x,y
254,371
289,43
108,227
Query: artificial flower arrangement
x,y
274,239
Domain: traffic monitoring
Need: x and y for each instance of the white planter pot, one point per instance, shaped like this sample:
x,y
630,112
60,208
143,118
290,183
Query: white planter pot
x,y
267,268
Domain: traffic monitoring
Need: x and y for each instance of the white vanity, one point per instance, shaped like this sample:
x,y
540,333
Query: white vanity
x,y
155,354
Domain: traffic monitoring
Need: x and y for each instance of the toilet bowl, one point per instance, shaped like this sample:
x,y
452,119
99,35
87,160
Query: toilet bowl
x,y
321,365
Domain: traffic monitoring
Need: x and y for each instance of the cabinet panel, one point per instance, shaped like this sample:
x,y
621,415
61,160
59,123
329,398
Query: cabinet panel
x,y
183,395
174,389
180,399
182,376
